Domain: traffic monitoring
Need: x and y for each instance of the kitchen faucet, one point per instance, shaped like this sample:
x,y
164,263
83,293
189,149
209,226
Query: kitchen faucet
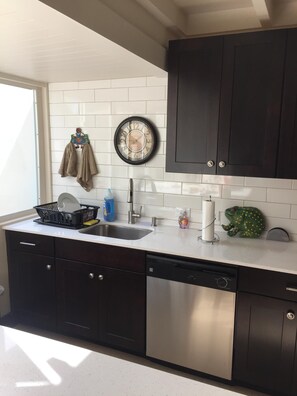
x,y
132,216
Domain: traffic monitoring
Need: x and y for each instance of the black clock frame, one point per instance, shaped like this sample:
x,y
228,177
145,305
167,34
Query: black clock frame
x,y
153,131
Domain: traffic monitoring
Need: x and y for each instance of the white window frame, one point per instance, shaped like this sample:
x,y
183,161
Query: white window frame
x,y
43,142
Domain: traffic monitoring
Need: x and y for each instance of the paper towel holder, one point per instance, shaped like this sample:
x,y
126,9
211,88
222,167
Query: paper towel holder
x,y
215,237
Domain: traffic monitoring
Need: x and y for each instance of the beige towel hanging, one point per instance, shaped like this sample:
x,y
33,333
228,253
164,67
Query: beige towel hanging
x,y
68,165
88,168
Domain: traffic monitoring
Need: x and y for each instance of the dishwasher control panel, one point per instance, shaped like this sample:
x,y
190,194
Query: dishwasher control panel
x,y
198,272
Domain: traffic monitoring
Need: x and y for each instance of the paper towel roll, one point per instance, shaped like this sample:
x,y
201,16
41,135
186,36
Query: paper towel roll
x,y
208,217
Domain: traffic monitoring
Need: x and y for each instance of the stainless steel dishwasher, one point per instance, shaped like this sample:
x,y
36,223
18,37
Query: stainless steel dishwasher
x,y
190,314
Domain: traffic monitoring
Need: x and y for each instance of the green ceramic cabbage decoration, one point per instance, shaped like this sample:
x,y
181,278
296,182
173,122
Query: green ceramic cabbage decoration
x,y
247,221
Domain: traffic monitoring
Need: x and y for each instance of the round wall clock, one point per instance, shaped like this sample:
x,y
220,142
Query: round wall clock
x,y
135,140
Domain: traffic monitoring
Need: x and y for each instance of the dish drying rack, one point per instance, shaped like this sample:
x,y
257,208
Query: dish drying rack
x,y
50,215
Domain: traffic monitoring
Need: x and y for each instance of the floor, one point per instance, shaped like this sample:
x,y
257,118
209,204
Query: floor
x,y
145,362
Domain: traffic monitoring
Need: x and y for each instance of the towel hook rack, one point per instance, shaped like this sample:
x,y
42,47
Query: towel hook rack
x,y
79,138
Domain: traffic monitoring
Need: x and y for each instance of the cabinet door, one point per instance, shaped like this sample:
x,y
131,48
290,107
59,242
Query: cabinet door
x,y
77,295
122,310
32,288
193,104
287,163
265,344
250,106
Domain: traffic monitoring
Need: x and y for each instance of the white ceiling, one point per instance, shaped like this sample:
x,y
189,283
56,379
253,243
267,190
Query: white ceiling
x,y
102,39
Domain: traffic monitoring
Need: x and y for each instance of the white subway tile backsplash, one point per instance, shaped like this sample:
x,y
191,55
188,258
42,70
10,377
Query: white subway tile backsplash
x,y
95,108
104,146
94,84
56,96
63,86
97,134
64,109
111,94
147,93
271,209
294,211
163,187
145,172
99,107
182,177
80,121
57,121
158,120
157,107
182,201
60,133
103,121
273,183
282,196
202,190
156,81
79,96
219,179
146,198
244,193
128,108
129,82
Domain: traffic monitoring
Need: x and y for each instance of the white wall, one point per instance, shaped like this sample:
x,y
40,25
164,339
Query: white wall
x,y
99,106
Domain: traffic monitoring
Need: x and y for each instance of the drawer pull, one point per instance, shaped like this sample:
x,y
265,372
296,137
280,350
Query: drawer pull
x,y
91,275
48,267
100,277
292,289
28,243
290,315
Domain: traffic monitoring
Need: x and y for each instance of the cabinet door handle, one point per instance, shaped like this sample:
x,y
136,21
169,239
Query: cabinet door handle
x,y
91,275
100,277
222,164
210,163
292,289
48,267
28,243
290,315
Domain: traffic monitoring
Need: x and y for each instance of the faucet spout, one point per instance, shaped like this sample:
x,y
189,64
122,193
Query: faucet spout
x,y
132,216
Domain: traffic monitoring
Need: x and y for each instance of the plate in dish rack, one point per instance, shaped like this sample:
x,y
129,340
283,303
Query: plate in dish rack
x,y
67,203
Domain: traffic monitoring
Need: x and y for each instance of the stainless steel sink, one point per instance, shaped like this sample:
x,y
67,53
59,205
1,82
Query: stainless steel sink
x,y
116,231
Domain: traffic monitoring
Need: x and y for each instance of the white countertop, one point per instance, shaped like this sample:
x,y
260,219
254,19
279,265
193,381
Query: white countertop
x,y
256,253
39,366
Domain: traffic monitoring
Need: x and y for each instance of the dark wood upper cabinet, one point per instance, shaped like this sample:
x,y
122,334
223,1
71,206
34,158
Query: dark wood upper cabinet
x,y
250,104
225,103
287,163
193,104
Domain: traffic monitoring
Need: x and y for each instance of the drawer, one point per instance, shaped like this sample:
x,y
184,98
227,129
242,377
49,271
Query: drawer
x,y
268,283
103,255
30,243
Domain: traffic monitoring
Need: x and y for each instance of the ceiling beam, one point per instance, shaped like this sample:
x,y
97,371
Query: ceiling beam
x,y
167,13
98,17
264,11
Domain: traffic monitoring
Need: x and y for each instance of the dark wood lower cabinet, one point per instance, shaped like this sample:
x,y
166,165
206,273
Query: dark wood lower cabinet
x,y
32,279
33,289
122,309
77,295
265,344
102,304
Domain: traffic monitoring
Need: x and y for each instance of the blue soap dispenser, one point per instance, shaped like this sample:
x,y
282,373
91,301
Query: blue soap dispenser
x,y
108,206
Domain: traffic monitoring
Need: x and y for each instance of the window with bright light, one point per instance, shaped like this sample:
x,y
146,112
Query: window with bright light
x,y
25,167
18,160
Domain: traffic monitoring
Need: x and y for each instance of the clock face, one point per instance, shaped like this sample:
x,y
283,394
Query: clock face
x,y
135,140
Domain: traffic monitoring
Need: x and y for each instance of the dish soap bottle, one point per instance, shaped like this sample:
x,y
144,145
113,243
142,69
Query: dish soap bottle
x,y
108,206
